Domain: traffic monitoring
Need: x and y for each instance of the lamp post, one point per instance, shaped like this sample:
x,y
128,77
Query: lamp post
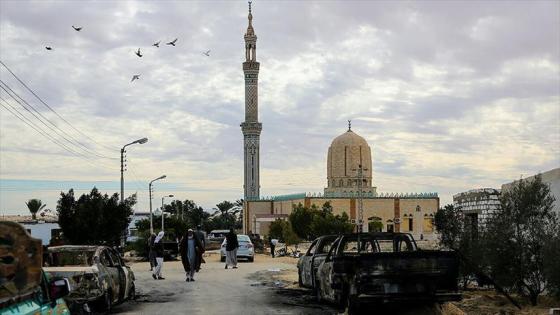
x,y
163,210
139,141
150,189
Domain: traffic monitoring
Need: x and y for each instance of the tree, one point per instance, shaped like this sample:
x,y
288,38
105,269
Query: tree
x,y
449,224
34,206
94,219
224,206
300,219
276,229
310,223
519,236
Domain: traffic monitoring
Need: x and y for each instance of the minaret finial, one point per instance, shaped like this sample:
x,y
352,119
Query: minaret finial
x,y
250,6
349,125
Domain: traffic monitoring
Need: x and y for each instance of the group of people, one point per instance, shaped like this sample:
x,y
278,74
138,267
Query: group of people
x,y
191,247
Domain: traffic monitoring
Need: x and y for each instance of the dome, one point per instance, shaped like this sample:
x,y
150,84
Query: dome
x,y
346,153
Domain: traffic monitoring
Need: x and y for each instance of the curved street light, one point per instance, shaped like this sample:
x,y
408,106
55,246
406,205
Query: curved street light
x,y
150,189
139,141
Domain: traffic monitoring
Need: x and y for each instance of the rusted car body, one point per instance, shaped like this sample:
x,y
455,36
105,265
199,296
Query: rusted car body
x,y
385,267
315,255
97,274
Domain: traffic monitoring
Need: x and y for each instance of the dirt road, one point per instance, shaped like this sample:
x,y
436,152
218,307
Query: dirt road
x,y
250,289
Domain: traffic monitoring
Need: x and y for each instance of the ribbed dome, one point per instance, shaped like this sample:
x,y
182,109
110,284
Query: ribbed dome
x,y
349,138
346,153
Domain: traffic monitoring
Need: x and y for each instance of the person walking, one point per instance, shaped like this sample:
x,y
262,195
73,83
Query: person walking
x,y
202,238
191,250
158,250
272,245
231,249
151,252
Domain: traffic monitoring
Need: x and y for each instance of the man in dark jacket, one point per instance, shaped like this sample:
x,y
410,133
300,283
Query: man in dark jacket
x,y
231,249
191,251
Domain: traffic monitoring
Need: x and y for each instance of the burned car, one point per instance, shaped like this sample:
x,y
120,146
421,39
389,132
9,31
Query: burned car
x,y
385,267
315,255
98,276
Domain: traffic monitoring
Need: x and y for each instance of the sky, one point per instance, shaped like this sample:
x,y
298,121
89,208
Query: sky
x,y
450,95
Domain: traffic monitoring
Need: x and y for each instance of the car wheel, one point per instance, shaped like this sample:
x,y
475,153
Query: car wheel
x,y
222,259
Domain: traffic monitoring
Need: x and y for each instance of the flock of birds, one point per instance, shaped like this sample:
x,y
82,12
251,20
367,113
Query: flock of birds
x,y
138,52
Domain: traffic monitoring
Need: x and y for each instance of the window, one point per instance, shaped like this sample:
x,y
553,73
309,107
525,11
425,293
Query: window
x,y
325,247
104,259
410,224
312,248
428,225
116,261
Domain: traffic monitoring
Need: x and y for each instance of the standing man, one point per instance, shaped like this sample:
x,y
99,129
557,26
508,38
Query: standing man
x,y
231,249
151,252
272,245
191,250
201,235
158,249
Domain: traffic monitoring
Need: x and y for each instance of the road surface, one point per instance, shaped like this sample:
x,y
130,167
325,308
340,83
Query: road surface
x,y
246,290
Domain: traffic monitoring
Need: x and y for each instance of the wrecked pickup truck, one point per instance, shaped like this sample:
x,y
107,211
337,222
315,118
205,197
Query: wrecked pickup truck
x,y
385,267
24,287
98,276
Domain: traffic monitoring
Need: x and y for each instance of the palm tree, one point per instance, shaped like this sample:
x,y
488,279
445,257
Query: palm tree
x,y
34,205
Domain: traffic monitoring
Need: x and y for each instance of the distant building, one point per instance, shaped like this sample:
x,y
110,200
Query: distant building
x,y
477,204
347,187
132,230
552,178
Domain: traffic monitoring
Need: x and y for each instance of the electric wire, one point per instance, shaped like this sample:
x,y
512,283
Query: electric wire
x,y
51,109
19,115
60,132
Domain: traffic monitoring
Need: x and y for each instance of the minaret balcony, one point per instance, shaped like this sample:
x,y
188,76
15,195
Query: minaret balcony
x,y
251,65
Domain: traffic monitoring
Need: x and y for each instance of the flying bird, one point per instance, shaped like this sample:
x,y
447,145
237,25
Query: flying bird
x,y
156,44
77,29
48,48
172,43
135,77
206,53
138,53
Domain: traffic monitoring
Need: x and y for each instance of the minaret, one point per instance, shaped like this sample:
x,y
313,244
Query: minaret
x,y
251,127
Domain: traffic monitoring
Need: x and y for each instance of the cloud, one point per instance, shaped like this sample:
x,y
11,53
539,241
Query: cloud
x,y
450,96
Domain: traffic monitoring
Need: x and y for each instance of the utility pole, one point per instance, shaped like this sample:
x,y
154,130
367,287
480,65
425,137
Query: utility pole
x,y
361,199
150,189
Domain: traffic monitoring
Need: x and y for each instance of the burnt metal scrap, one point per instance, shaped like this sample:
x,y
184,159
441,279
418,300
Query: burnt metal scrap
x,y
97,274
379,268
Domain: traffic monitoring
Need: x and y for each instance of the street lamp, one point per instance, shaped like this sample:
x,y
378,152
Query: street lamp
x,y
163,210
139,141
150,189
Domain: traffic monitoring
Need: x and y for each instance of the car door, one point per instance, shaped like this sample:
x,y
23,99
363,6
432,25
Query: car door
x,y
324,274
323,248
108,274
119,275
306,261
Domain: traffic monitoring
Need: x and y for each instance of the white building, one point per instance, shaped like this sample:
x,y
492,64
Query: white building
x,y
552,178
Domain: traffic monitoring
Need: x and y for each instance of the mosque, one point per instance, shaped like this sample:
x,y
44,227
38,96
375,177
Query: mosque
x,y
349,177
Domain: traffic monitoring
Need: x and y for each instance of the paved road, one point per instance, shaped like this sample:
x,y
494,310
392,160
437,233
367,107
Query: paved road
x,y
218,291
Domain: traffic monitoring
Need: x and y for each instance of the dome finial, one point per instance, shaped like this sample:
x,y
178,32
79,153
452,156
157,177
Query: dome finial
x,y
349,125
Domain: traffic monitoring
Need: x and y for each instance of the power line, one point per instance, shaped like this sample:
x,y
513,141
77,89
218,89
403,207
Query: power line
x,y
72,141
14,111
51,109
